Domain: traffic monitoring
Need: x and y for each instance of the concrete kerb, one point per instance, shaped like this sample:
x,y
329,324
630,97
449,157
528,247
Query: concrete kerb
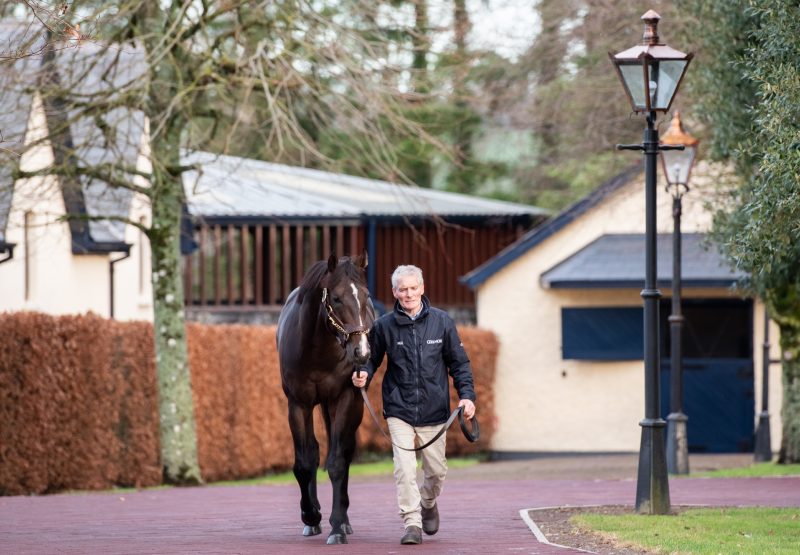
x,y
537,532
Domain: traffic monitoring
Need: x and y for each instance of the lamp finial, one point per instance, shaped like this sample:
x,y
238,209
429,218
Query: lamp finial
x,y
651,19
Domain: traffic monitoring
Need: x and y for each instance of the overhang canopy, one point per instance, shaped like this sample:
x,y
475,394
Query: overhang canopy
x,y
618,261
229,186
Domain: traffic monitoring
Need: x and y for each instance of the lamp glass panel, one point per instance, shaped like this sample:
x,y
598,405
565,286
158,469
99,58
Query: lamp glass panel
x,y
666,74
678,164
633,78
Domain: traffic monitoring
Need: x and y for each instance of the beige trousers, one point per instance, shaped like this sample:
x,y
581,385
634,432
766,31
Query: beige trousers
x,y
411,497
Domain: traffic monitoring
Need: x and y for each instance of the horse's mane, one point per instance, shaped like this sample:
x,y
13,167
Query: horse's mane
x,y
316,272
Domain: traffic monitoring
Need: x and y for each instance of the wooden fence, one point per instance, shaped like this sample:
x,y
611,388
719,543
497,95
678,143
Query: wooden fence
x,y
241,266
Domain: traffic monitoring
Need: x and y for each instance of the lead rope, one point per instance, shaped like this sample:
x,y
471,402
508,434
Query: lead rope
x,y
471,435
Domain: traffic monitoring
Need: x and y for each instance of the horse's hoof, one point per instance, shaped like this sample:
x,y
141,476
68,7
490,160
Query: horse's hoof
x,y
334,539
347,528
309,530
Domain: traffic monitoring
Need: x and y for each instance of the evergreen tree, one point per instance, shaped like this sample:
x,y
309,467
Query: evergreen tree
x,y
749,92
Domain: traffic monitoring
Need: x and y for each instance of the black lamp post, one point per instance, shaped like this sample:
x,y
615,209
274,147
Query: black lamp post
x,y
651,74
677,166
763,450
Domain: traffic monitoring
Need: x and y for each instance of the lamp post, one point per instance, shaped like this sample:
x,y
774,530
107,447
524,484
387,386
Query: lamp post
x,y
677,166
651,74
763,450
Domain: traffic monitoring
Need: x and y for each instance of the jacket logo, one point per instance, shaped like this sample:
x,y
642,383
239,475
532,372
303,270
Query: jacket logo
x,y
433,341
399,342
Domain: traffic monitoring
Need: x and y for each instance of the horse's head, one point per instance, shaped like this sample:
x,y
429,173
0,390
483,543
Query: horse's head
x,y
348,308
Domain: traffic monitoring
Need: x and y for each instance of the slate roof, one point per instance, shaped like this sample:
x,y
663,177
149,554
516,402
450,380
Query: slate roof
x,y
15,105
618,261
240,187
538,234
99,69
113,137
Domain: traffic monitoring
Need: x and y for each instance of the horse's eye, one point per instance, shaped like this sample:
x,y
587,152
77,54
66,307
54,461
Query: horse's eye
x,y
336,299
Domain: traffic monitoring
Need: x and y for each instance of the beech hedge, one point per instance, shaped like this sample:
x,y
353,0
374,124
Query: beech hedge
x,y
79,403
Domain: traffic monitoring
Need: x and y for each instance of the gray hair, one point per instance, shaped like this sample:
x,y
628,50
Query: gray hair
x,y
404,271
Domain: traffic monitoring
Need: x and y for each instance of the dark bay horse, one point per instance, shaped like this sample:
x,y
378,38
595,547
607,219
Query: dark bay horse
x,y
322,334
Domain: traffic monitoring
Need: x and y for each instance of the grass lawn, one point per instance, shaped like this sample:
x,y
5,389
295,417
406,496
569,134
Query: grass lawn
x,y
753,530
753,471
761,530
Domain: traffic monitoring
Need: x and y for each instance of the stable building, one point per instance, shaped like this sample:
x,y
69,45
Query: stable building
x,y
258,226
565,304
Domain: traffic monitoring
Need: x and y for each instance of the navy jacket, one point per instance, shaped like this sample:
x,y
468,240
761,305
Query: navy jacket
x,y
420,353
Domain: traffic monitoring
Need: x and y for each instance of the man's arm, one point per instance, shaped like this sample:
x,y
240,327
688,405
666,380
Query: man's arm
x,y
459,367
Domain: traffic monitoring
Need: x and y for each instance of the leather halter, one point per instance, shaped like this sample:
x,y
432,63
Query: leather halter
x,y
337,324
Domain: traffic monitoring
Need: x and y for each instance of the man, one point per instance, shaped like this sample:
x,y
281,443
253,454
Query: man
x,y
422,344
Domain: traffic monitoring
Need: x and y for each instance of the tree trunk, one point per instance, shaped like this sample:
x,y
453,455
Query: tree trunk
x,y
790,412
176,406
461,178
168,110
421,47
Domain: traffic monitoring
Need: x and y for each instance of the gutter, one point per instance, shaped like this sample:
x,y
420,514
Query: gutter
x,y
8,250
111,263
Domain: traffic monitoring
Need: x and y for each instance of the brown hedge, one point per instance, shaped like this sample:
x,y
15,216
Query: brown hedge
x,y
74,394
79,407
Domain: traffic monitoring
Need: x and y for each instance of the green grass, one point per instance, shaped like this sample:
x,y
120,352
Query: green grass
x,y
755,530
753,471
726,531
377,467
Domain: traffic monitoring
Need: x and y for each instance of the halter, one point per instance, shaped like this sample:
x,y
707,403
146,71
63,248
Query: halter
x,y
337,323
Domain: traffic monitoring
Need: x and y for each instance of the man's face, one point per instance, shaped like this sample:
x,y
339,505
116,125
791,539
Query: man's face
x,y
409,292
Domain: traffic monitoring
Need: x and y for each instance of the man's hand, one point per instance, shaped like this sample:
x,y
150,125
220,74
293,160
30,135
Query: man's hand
x,y
359,378
469,408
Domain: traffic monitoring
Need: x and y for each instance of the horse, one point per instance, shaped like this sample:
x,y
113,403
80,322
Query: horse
x,y
322,335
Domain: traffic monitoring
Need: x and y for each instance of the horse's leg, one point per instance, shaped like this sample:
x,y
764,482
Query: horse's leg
x,y
344,416
306,462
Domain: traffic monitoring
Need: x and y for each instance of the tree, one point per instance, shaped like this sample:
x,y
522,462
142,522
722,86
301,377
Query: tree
x,y
186,70
564,92
432,65
749,92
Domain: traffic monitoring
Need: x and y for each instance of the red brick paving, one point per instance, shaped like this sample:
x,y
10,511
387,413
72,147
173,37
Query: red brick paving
x,y
478,516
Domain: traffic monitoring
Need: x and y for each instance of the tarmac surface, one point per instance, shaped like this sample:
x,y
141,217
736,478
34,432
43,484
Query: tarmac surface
x,y
484,509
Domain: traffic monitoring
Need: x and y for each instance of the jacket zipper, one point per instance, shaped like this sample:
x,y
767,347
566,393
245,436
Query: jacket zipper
x,y
417,363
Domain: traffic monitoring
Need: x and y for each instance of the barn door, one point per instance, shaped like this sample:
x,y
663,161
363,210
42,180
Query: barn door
x,y
718,382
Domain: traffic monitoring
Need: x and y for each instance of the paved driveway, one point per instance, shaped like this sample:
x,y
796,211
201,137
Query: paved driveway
x,y
481,513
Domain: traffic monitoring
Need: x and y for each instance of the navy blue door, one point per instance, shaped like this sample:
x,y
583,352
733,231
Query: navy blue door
x,y
718,398
718,382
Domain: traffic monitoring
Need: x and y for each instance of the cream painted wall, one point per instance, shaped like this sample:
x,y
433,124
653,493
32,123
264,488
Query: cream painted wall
x,y
59,282
545,403
775,399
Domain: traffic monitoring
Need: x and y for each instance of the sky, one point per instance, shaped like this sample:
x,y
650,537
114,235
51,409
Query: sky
x,y
505,26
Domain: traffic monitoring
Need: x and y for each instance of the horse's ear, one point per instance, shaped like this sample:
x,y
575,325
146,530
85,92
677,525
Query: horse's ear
x,y
363,260
332,262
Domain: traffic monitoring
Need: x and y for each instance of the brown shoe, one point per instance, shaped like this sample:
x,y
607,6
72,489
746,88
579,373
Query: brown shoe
x,y
430,520
413,535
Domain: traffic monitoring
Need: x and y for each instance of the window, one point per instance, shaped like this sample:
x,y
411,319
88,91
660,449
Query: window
x,y
608,333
